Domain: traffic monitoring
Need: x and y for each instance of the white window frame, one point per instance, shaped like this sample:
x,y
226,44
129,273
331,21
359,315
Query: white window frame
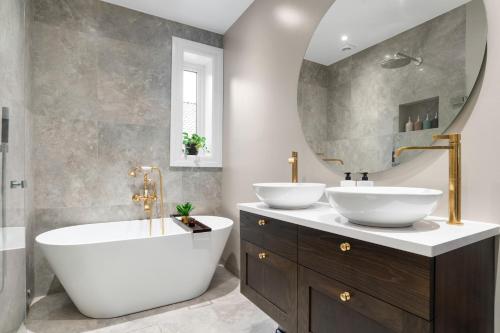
x,y
207,61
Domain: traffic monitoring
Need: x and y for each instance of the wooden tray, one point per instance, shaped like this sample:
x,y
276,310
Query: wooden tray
x,y
195,225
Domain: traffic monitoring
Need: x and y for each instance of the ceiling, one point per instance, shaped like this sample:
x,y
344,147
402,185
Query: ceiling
x,y
369,22
213,15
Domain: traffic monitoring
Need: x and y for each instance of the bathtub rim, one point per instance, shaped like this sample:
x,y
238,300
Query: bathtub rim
x,y
39,239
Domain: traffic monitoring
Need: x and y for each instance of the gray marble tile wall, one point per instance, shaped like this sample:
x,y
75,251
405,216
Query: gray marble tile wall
x,y
14,75
362,98
13,97
29,191
312,101
101,104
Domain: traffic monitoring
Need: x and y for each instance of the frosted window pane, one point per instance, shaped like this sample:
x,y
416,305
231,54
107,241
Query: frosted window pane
x,y
189,102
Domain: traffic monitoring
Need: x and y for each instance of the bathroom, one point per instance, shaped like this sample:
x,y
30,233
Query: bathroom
x,y
99,182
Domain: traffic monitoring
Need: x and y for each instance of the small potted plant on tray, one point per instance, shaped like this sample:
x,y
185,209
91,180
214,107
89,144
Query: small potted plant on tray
x,y
184,210
193,143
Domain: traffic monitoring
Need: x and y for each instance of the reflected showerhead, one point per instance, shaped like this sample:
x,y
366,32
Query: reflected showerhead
x,y
400,60
394,62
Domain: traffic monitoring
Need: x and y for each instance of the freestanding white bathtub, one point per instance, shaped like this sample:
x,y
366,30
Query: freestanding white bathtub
x,y
116,268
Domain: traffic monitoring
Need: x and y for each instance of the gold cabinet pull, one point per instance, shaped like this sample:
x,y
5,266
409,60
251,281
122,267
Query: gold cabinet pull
x,y
344,247
262,223
262,255
345,296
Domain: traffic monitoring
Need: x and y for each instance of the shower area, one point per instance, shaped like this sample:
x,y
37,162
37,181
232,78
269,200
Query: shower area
x,y
15,258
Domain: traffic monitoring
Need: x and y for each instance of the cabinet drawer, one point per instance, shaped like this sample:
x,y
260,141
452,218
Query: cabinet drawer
x,y
397,277
328,306
276,236
270,282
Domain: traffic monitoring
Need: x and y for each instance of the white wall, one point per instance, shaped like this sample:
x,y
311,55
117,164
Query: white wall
x,y
476,16
263,54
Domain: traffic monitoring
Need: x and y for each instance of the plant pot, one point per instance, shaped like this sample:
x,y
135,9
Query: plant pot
x,y
185,219
191,149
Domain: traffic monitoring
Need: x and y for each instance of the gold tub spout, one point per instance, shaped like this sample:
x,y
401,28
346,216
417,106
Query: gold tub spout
x,y
455,181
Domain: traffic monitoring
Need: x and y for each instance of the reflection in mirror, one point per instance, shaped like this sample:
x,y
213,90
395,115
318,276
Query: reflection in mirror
x,y
383,74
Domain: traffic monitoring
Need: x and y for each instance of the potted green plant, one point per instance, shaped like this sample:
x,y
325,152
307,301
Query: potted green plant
x,y
184,210
193,143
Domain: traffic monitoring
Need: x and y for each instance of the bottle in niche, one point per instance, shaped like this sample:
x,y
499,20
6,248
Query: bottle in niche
x,y
427,122
418,124
409,125
435,121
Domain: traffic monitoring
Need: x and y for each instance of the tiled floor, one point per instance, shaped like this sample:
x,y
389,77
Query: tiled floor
x,y
221,309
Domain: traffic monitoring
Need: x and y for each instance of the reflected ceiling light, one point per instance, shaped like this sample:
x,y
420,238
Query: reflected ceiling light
x,y
344,38
289,15
348,47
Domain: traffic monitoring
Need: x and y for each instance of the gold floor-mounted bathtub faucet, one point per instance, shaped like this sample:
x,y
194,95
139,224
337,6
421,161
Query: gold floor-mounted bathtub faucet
x,y
455,190
148,195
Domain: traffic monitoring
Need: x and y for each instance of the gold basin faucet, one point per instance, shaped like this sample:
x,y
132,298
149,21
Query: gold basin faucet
x,y
455,186
294,161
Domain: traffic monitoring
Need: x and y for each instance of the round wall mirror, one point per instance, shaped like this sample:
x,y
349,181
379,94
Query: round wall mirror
x,y
382,74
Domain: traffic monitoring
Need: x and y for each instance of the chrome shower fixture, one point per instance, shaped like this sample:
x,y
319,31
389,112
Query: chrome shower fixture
x,y
399,60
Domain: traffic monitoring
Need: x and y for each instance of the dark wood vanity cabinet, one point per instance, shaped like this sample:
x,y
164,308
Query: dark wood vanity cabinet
x,y
269,267
311,281
400,278
328,306
270,282
273,235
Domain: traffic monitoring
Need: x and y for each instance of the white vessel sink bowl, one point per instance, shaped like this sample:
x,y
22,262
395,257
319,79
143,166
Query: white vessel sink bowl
x,y
289,195
383,206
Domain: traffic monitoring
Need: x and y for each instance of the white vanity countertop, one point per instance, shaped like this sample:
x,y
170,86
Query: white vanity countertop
x,y
429,237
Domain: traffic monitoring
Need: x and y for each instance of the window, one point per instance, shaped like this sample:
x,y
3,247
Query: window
x,y
196,102
190,102
193,117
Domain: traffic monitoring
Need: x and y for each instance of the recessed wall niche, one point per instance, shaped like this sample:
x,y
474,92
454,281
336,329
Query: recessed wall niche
x,y
419,110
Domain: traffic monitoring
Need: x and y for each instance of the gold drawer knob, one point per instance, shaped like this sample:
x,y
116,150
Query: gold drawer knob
x,y
345,296
262,255
262,222
344,247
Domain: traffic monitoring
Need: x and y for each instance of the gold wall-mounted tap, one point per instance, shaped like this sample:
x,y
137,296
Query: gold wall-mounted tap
x,y
455,181
335,160
294,161
329,159
148,195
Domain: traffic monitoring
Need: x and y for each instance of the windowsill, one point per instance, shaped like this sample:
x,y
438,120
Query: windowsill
x,y
199,161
